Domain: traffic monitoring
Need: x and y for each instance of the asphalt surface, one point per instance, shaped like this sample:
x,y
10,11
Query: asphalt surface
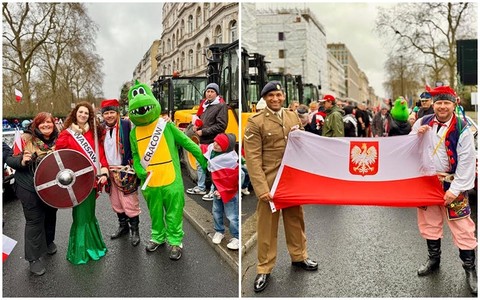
x,y
362,251
205,269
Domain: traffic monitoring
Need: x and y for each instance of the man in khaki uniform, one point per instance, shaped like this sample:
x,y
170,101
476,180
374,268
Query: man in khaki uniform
x,y
265,140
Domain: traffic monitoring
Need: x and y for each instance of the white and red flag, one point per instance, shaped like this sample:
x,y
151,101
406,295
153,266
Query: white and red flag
x,y
224,171
18,95
393,171
18,143
8,245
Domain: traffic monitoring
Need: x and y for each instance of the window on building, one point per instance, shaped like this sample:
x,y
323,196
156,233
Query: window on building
x,y
282,53
182,62
198,17
199,55
218,35
174,42
206,11
190,24
281,36
169,45
182,29
190,59
233,31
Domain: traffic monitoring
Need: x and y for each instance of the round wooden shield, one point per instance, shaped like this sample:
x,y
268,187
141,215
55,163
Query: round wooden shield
x,y
64,178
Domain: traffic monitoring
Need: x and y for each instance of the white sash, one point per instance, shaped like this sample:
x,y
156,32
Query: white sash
x,y
154,142
85,145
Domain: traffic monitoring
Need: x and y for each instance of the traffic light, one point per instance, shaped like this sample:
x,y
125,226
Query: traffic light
x,y
467,61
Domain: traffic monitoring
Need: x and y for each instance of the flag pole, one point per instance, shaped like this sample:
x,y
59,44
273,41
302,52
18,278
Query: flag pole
x,y
97,152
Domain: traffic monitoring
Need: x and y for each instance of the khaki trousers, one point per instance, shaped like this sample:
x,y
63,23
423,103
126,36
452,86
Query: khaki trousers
x,y
267,231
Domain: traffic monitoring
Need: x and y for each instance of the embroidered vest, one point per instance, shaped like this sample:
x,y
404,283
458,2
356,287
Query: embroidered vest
x,y
451,138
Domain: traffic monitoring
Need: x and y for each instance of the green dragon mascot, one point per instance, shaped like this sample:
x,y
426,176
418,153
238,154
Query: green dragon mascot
x,y
155,160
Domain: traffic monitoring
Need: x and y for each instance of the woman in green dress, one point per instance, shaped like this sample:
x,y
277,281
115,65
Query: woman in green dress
x,y
86,240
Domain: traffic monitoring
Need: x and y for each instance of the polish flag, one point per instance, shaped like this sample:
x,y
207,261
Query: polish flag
x,y
8,245
18,143
224,171
393,171
18,95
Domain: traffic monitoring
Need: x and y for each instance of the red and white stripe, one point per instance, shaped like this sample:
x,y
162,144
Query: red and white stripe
x,y
224,171
18,143
8,245
319,170
18,95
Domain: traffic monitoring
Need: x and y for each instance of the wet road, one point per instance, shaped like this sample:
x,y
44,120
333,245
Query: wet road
x,y
125,271
362,251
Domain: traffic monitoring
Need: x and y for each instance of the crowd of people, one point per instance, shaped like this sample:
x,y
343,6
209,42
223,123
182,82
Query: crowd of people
x,y
119,148
266,136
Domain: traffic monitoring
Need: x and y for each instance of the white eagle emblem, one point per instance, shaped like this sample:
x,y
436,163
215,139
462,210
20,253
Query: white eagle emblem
x,y
363,158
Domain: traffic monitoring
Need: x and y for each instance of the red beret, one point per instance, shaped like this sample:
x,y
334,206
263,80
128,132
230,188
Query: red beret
x,y
222,141
110,104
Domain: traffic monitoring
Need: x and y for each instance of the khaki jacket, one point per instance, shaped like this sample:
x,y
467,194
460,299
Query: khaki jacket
x,y
265,140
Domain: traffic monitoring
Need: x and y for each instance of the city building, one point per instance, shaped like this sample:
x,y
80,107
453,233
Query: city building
x,y
146,70
189,29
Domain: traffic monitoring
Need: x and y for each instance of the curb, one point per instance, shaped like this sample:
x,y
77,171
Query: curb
x,y
202,220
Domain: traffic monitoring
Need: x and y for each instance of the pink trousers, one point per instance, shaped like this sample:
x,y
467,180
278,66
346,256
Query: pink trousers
x,y
430,223
124,203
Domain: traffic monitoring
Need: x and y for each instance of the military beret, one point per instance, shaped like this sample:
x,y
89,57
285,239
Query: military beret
x,y
271,86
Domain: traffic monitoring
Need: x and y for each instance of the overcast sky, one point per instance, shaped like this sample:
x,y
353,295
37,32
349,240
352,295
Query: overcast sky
x,y
126,31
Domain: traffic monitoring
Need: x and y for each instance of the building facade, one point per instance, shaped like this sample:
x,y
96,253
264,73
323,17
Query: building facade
x,y
146,69
189,29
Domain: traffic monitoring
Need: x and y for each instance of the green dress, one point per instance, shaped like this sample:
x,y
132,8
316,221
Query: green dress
x,y
86,240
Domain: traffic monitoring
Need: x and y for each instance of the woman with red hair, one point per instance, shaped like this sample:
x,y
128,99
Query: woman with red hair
x,y
39,140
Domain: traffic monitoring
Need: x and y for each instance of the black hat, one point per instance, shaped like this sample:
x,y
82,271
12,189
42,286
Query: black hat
x,y
271,86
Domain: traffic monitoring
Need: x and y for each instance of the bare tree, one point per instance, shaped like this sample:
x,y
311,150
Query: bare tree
x,y
427,32
26,28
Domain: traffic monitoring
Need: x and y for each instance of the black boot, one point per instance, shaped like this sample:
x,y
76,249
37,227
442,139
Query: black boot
x,y
122,227
135,235
433,261
468,258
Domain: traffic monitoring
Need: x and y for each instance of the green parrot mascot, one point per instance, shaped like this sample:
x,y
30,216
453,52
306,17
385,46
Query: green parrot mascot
x,y
399,124
155,160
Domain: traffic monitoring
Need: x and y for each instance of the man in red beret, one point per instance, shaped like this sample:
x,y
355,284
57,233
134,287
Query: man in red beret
x,y
123,186
333,124
454,160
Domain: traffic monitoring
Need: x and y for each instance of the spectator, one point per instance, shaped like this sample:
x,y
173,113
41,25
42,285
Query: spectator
x,y
399,124
363,120
293,105
333,126
349,122
210,120
381,121
222,158
427,105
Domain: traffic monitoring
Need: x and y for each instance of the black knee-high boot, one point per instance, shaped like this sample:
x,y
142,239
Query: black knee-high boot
x,y
468,258
433,261
122,227
135,234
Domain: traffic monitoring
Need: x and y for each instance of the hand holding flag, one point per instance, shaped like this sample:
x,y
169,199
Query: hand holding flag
x,y
19,143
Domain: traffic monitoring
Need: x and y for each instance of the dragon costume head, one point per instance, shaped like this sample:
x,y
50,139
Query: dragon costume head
x,y
143,107
399,111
